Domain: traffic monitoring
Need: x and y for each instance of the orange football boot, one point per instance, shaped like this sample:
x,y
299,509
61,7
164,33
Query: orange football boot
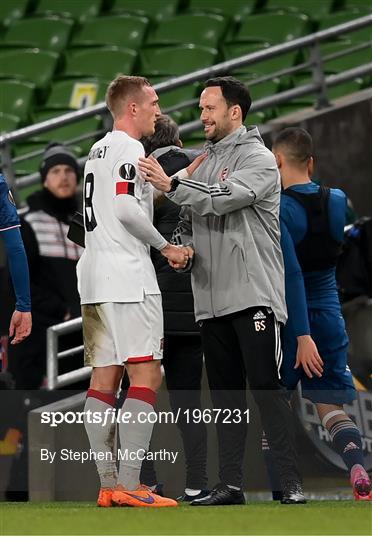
x,y
104,497
140,497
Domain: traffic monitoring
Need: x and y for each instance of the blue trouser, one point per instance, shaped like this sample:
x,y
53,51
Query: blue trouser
x,y
336,384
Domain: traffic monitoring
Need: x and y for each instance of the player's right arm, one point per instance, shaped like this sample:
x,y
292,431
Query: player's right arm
x,y
128,191
307,353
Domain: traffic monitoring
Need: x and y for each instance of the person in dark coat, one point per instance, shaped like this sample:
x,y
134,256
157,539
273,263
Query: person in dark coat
x,y
52,259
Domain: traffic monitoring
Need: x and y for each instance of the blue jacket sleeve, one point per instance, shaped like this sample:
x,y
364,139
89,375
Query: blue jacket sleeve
x,y
18,267
294,286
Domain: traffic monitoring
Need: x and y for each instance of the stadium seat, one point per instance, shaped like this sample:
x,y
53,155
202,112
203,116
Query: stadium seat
x,y
195,139
358,5
155,9
346,62
199,29
271,65
345,89
16,98
122,30
79,10
174,97
76,93
87,127
31,65
234,50
176,60
260,90
8,122
48,33
11,10
103,62
271,28
235,9
364,34
315,9
31,164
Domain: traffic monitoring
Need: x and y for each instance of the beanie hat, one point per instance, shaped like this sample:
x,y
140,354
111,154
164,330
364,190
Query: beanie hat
x,y
57,154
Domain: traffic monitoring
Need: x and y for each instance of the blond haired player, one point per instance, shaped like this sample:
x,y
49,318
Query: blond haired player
x,y
121,303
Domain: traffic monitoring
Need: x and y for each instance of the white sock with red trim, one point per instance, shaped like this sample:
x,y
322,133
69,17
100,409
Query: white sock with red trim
x,y
102,435
135,434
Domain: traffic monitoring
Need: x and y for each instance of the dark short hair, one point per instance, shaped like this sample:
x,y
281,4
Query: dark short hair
x,y
166,134
296,143
235,92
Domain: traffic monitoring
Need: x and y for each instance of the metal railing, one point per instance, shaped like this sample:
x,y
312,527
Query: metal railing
x,y
53,356
319,86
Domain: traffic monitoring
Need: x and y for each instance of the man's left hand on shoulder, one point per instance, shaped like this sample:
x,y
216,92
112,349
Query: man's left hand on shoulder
x,y
153,172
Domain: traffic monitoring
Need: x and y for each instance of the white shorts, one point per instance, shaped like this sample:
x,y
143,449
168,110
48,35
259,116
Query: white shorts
x,y
115,333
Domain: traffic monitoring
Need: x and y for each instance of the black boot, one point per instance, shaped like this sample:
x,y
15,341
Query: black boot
x,y
221,494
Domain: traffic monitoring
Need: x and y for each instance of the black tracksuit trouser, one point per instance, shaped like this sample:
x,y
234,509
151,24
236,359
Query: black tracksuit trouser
x,y
246,346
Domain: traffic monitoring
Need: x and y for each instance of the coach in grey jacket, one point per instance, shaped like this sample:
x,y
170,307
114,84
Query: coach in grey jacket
x,y
230,219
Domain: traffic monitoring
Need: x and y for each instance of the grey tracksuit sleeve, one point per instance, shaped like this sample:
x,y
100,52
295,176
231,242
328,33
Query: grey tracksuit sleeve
x,y
256,177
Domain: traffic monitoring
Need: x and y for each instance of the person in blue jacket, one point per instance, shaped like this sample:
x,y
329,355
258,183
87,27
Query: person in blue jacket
x,y
21,321
315,342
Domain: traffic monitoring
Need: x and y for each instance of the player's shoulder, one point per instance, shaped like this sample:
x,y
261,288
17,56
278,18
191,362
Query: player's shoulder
x,y
337,193
287,204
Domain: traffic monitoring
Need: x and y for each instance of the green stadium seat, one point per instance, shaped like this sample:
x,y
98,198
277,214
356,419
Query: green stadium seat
x,y
11,10
234,50
346,62
272,28
155,9
30,165
76,93
315,9
31,65
16,98
8,123
79,10
271,65
256,118
176,60
70,133
122,30
235,9
196,139
364,34
48,33
345,89
200,29
174,97
358,5
306,102
103,62
260,90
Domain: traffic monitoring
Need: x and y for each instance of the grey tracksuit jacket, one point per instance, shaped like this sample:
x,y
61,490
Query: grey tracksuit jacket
x,y
231,216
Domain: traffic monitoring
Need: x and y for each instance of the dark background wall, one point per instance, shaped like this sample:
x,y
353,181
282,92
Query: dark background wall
x,y
342,136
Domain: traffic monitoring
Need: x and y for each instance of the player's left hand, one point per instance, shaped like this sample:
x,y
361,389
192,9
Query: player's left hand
x,y
153,172
181,266
20,326
308,357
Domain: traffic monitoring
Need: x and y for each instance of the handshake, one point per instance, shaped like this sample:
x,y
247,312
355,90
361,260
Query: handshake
x,y
178,256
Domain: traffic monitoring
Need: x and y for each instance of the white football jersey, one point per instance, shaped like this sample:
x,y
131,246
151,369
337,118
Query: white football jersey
x,y
115,265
